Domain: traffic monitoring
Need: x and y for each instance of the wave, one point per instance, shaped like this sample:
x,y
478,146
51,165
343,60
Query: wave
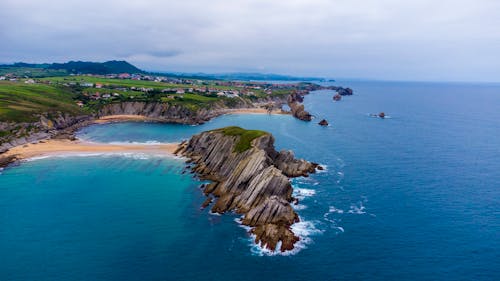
x,y
357,209
132,155
302,193
299,207
151,142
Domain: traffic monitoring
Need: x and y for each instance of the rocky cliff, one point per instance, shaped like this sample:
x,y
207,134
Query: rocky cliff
x,y
48,126
251,178
297,108
172,113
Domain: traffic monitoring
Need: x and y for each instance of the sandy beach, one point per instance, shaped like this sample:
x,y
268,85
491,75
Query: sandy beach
x,y
255,111
60,147
124,118
140,118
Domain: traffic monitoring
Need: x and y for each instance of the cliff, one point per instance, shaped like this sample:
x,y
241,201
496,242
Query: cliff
x,y
183,114
251,178
53,125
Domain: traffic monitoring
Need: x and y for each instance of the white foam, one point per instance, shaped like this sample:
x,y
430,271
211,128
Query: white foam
x,y
299,207
302,193
152,142
303,229
324,170
133,155
358,210
332,209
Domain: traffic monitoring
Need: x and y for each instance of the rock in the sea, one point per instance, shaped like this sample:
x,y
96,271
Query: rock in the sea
x,y
381,115
344,91
251,178
337,97
297,109
323,122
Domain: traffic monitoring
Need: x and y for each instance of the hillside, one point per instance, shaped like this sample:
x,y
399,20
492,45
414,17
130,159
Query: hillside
x,y
71,67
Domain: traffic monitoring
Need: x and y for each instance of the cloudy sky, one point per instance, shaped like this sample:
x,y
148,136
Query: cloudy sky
x,y
434,40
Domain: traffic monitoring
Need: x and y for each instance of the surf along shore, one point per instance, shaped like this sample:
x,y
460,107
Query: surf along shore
x,y
67,145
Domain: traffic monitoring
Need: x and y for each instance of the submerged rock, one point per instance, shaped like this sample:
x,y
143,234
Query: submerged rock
x,y
337,97
323,122
253,181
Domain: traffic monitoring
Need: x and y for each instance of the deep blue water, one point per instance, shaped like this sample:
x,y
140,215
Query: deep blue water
x,y
412,197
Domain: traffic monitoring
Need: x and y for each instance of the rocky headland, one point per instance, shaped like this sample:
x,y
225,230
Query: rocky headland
x,y
250,177
294,101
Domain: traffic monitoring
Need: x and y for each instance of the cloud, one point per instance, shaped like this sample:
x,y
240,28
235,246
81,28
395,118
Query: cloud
x,y
384,39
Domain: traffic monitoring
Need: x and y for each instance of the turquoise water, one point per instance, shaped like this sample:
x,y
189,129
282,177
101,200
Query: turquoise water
x,y
412,197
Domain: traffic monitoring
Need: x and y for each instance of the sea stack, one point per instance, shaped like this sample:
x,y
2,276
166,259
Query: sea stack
x,y
297,109
251,178
344,91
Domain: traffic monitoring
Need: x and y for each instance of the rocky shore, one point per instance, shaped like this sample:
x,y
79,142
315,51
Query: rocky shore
x,y
251,178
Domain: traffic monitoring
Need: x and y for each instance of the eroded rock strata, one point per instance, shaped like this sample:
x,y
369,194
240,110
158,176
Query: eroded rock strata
x,y
297,108
251,178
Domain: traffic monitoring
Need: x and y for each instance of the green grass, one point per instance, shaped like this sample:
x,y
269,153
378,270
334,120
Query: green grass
x,y
31,72
21,102
245,136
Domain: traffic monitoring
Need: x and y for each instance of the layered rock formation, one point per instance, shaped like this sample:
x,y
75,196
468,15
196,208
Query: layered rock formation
x,y
297,108
48,126
251,179
172,113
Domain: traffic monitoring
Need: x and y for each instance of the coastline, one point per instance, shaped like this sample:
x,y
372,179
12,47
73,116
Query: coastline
x,y
56,147
141,118
64,141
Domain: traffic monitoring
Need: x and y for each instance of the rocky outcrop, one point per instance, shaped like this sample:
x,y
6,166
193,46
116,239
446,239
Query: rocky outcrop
x,y
53,125
253,182
344,91
381,115
171,113
323,122
297,108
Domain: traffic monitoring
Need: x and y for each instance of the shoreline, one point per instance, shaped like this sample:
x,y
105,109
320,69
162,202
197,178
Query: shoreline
x,y
64,142
141,118
60,147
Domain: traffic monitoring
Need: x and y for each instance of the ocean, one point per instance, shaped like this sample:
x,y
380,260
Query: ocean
x,y
415,196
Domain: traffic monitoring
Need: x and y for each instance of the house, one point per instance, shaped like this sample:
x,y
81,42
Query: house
x,y
116,94
86,84
2,78
29,81
124,76
98,85
79,103
106,96
180,92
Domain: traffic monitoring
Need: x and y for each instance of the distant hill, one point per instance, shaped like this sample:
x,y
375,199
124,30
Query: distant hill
x,y
96,67
75,67
246,76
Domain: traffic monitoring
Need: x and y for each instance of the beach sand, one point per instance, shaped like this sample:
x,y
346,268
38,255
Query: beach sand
x,y
63,147
255,111
139,118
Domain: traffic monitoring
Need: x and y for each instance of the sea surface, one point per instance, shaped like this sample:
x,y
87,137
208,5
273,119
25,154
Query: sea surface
x,y
415,196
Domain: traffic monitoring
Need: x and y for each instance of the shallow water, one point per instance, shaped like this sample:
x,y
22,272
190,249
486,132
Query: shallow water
x,y
412,197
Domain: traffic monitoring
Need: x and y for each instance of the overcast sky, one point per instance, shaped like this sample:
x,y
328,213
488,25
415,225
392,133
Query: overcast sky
x,y
435,40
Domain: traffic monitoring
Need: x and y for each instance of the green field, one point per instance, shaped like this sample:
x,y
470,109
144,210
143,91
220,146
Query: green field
x,y
21,102
246,136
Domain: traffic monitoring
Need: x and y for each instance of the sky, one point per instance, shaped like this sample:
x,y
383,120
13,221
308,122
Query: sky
x,y
414,40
